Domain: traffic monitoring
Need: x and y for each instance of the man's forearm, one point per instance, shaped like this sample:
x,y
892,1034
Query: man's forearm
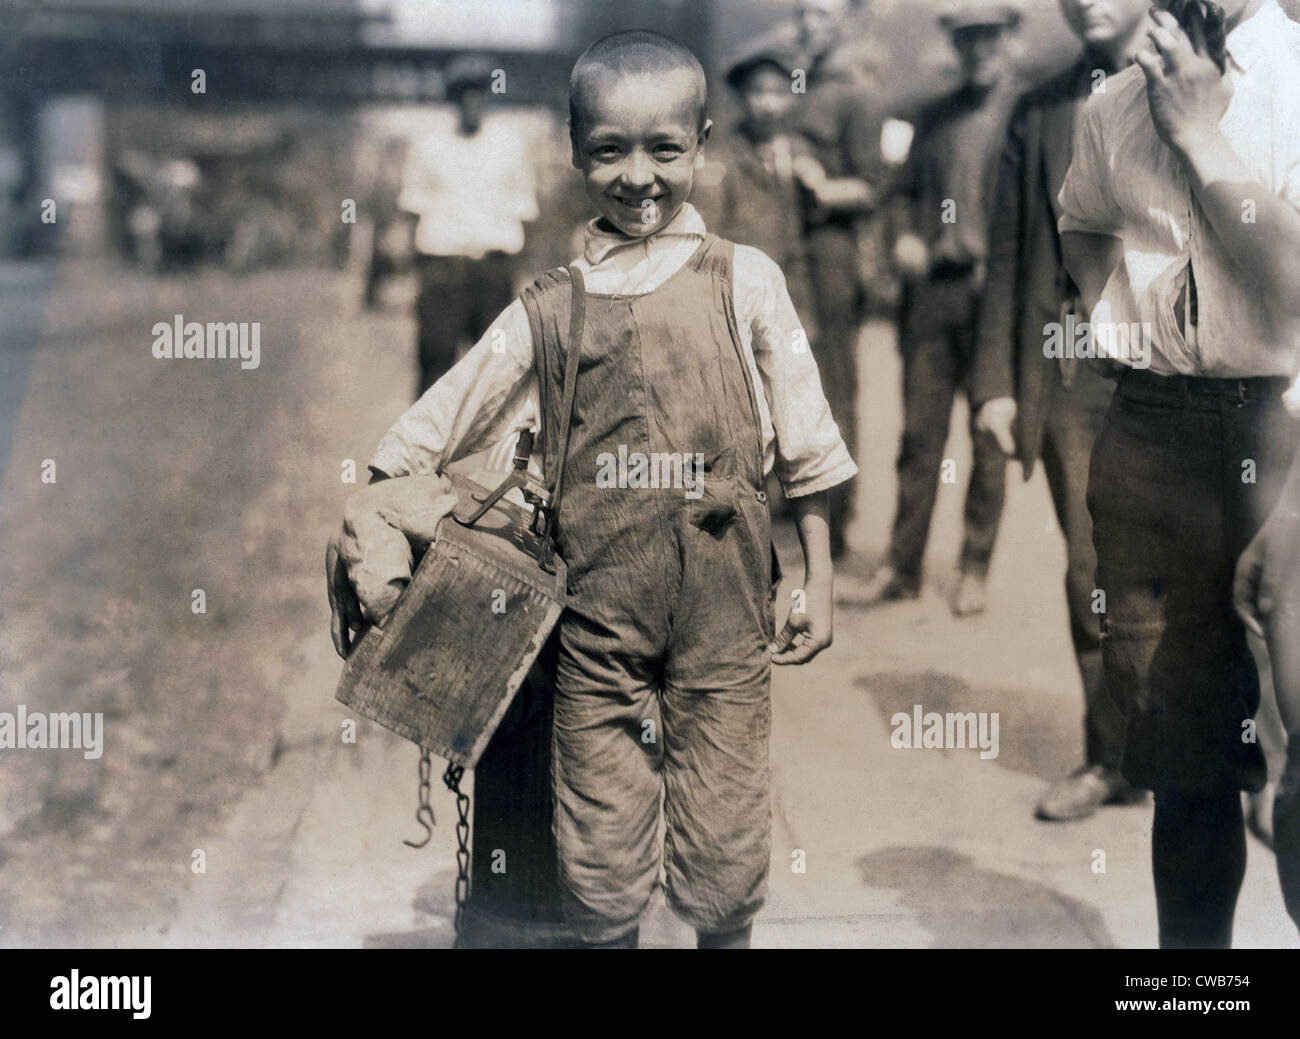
x,y
1265,247
1090,259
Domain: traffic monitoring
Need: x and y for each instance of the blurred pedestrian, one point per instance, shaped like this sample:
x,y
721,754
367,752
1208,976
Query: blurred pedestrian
x,y
1180,216
760,198
472,189
1048,408
834,114
946,190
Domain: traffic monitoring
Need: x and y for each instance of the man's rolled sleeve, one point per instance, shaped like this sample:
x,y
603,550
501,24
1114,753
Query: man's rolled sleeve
x,y
1087,197
810,453
489,395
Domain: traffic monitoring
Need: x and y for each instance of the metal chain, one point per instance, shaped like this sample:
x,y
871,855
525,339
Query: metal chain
x,y
424,813
424,816
452,779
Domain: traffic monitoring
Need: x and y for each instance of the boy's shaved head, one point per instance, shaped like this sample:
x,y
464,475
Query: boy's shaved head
x,y
637,52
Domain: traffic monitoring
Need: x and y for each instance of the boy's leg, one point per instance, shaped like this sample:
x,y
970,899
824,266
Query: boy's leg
x,y
717,807
737,939
605,770
1198,860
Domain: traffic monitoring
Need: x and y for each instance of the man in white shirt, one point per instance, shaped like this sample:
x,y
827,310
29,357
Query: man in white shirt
x,y
1181,227
472,191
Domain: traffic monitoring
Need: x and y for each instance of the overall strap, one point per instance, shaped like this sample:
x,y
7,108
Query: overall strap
x,y
577,316
718,258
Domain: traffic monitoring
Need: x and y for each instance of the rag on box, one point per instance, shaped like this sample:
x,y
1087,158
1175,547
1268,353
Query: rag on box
x,y
387,527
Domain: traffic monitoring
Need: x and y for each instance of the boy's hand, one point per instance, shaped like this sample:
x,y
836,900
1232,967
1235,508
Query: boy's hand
x,y
345,609
808,631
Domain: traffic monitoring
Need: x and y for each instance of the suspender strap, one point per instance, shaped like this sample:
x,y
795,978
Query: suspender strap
x,y
577,319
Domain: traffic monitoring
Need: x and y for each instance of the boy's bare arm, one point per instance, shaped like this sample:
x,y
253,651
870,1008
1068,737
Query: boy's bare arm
x,y
488,395
808,630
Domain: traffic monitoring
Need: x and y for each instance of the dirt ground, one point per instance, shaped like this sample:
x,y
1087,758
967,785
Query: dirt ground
x,y
223,737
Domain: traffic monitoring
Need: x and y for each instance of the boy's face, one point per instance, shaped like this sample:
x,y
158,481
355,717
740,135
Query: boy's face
x,y
766,97
638,146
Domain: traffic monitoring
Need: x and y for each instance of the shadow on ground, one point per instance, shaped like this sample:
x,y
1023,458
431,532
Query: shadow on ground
x,y
1035,736
966,906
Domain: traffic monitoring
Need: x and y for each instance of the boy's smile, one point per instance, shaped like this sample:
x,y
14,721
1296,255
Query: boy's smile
x,y
639,144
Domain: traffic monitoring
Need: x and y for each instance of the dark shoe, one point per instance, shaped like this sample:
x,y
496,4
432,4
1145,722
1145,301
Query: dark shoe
x,y
1082,793
971,596
886,585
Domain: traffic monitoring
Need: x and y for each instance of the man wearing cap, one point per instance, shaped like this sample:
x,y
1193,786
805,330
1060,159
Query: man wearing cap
x,y
941,249
1180,215
1051,408
470,183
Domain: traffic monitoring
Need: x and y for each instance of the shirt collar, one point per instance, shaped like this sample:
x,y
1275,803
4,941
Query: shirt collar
x,y
598,243
1253,37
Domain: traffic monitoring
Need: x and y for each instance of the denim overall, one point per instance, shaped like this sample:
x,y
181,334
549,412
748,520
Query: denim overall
x,y
663,678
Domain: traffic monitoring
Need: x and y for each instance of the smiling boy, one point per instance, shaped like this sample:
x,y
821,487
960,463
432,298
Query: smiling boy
x,y
690,345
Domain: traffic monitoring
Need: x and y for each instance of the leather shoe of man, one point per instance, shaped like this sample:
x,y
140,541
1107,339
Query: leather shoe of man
x,y
1082,793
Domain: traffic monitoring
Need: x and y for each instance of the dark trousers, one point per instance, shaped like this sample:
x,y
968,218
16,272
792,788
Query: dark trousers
x,y
937,340
1183,475
1074,419
458,299
837,306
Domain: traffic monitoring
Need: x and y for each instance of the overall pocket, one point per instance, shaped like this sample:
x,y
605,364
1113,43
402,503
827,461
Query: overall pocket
x,y
715,493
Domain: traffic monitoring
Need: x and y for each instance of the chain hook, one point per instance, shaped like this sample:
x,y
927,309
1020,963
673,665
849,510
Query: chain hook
x,y
424,813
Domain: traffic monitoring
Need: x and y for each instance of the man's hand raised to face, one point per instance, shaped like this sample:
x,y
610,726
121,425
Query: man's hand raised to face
x,y
1185,89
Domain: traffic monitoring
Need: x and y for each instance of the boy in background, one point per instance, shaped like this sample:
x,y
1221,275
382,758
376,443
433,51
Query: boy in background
x,y
760,200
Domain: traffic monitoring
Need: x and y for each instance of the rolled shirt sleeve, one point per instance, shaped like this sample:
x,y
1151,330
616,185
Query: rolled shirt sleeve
x,y
489,395
807,452
1087,200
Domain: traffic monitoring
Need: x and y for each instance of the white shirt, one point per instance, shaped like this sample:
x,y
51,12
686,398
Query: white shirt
x,y
491,393
472,194
1125,181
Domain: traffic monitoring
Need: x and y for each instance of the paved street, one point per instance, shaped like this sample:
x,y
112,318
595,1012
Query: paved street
x,y
223,745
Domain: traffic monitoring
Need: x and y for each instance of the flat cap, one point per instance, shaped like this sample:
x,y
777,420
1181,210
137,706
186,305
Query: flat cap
x,y
751,57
